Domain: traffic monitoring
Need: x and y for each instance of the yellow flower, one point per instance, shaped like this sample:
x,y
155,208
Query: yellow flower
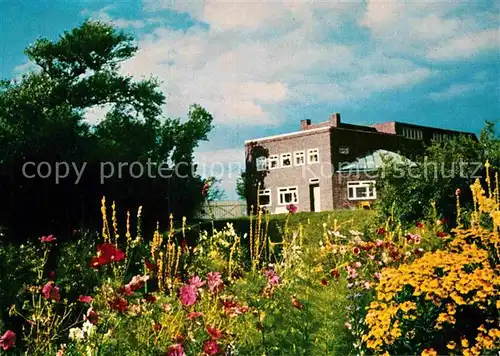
x,y
451,345
464,342
429,352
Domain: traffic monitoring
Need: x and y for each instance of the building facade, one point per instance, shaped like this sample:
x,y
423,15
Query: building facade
x,y
330,165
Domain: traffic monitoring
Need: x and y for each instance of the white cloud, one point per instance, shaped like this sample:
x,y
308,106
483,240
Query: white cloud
x,y
452,91
467,46
435,30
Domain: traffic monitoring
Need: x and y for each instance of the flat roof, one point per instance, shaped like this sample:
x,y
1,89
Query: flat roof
x,y
295,133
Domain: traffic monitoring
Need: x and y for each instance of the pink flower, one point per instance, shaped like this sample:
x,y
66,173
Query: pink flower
x,y
8,340
210,347
292,209
367,285
348,326
175,350
187,295
272,278
136,283
196,282
46,239
379,243
215,282
357,264
85,299
377,275
50,291
458,192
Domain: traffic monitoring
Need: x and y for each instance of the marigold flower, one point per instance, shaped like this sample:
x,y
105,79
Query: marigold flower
x,y
429,352
50,291
46,239
210,347
7,340
175,350
187,295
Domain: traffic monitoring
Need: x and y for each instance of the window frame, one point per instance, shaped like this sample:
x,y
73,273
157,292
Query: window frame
x,y
285,156
266,192
362,184
298,154
259,167
312,151
271,159
289,189
413,133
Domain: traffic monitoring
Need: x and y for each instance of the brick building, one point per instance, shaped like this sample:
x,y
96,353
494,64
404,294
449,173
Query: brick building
x,y
330,165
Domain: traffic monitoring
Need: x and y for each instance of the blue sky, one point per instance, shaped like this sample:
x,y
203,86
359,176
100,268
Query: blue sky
x,y
261,68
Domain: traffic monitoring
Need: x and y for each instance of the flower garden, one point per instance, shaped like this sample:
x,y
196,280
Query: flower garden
x,y
336,287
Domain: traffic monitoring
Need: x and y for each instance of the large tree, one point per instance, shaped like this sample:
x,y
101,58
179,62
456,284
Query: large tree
x,y
42,120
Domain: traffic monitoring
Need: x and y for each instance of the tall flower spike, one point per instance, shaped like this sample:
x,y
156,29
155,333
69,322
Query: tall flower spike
x,y
105,228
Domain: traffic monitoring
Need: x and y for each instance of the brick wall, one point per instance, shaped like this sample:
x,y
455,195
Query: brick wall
x,y
300,175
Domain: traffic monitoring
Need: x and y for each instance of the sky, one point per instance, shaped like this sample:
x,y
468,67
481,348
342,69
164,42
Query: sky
x,y
261,67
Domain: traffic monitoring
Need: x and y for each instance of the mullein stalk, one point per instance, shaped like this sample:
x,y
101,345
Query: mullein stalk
x,y
105,227
114,222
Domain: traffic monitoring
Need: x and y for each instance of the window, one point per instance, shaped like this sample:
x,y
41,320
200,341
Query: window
x,y
361,190
300,158
414,134
288,195
273,162
439,136
261,163
313,156
286,160
344,150
265,197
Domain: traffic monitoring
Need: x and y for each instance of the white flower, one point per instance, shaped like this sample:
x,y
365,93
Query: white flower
x,y
88,328
76,334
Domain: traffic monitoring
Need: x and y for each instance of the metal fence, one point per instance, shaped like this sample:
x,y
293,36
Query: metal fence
x,y
223,209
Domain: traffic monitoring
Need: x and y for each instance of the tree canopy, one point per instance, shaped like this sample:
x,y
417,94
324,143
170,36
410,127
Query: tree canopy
x,y
42,119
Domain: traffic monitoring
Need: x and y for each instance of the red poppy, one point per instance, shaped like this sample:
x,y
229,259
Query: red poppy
x,y
92,316
46,239
210,347
296,304
50,291
204,191
324,282
214,332
292,209
106,253
176,350
7,340
381,231
85,298
118,304
335,273
149,266
149,298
